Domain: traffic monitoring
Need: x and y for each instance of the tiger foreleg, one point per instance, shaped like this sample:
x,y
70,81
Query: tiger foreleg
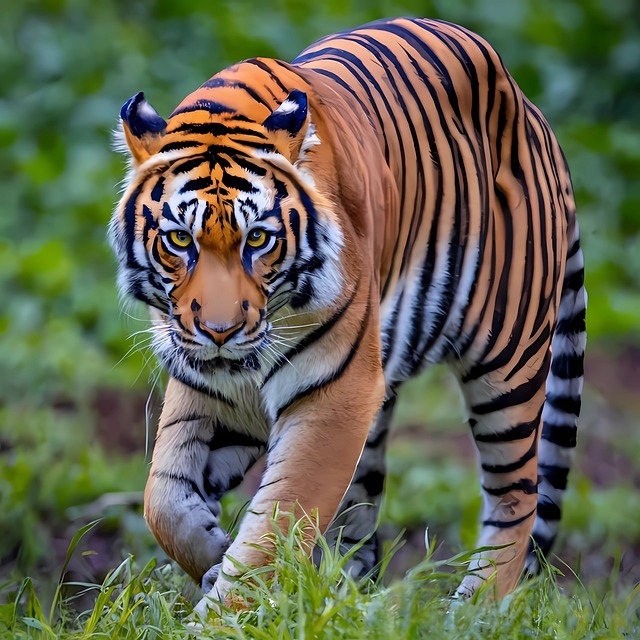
x,y
194,462
314,448
505,420
357,519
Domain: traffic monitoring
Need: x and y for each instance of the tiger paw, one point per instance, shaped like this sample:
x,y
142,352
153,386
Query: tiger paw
x,y
218,597
210,577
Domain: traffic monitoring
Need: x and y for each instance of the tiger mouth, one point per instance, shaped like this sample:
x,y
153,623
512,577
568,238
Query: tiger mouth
x,y
231,359
248,362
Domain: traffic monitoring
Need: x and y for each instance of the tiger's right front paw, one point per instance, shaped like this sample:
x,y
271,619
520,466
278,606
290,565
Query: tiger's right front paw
x,y
210,577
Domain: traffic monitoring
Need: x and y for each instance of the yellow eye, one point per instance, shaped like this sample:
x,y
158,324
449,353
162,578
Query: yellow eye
x,y
257,238
180,238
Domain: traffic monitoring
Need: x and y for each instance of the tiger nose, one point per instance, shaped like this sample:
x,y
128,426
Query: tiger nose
x,y
219,333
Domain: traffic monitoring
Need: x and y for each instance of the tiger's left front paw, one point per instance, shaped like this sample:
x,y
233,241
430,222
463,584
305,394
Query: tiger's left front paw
x,y
213,598
217,594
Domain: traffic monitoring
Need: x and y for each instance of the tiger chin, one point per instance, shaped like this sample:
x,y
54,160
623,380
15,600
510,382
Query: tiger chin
x,y
308,236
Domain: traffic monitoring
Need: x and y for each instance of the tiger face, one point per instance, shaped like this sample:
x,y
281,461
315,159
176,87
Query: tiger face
x,y
222,233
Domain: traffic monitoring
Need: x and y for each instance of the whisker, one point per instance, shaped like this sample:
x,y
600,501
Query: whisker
x,y
279,353
291,315
147,408
297,326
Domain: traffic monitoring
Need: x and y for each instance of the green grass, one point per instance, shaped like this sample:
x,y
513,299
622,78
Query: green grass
x,y
290,598
53,466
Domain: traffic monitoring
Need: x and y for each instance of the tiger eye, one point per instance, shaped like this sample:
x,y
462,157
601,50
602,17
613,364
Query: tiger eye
x,y
180,238
257,238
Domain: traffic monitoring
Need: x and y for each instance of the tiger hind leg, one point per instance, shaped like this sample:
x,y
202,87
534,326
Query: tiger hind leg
x,y
355,524
505,416
562,405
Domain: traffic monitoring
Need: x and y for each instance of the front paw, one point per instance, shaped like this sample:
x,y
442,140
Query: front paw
x,y
210,577
216,595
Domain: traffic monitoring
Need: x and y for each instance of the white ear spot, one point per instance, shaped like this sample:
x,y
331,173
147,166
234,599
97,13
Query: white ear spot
x,y
288,106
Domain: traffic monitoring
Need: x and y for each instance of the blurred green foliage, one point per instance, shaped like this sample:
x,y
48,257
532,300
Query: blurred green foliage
x,y
68,65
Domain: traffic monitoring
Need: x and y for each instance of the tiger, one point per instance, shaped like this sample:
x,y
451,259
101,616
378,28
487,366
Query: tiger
x,y
308,236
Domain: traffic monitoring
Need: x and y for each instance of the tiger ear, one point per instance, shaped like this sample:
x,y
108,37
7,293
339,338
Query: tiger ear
x,y
291,124
142,128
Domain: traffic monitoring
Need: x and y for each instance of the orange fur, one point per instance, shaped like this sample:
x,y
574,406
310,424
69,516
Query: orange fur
x,y
373,183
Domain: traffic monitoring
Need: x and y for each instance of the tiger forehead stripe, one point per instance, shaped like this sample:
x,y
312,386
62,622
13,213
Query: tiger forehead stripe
x,y
220,129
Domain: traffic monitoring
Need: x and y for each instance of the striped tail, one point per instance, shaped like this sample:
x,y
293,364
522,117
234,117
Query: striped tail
x,y
563,399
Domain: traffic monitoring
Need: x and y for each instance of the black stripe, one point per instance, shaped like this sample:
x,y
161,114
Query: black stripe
x,y
268,484
470,335
150,223
567,365
525,485
179,144
561,435
548,510
177,477
249,165
235,84
382,54
531,351
218,129
238,183
261,65
130,225
313,336
340,81
196,184
181,376
509,523
572,326
517,432
520,395
158,190
367,81
513,466
574,282
567,404
203,105
190,417
379,438
187,165
545,203
224,437
556,476
544,542
336,374
499,295
373,482
575,247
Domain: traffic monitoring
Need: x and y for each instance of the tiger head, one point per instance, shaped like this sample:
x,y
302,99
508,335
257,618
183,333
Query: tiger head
x,y
222,232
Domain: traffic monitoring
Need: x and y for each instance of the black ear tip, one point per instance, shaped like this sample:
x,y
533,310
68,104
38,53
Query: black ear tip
x,y
298,96
141,117
290,115
130,105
